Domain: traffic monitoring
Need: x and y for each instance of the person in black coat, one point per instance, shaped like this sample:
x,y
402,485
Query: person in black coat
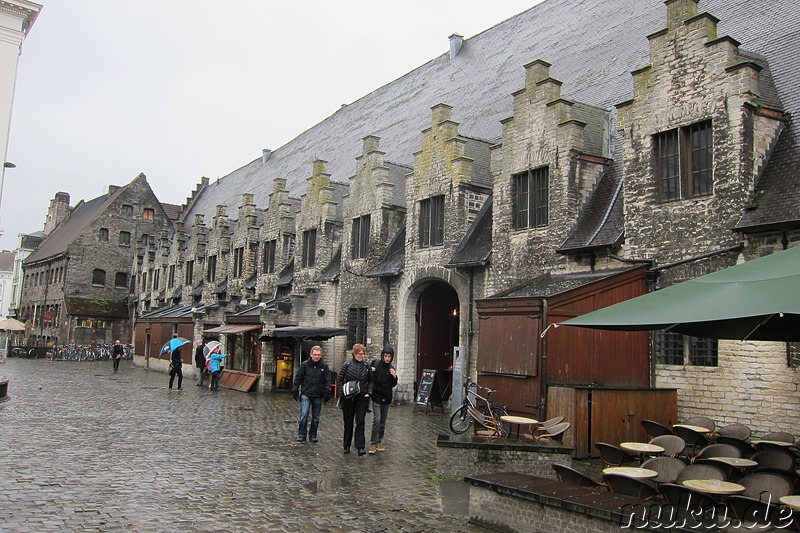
x,y
384,379
354,409
200,361
312,386
116,353
176,368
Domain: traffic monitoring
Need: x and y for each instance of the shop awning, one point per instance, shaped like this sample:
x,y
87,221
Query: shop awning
x,y
233,329
302,332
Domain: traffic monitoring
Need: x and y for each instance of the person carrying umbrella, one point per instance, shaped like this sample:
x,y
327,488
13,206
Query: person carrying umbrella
x,y
173,347
213,350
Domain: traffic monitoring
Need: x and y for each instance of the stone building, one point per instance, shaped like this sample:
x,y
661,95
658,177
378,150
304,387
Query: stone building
x,y
555,150
77,281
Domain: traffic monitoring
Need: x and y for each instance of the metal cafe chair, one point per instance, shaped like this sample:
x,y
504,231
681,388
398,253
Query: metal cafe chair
x,y
629,486
611,455
655,429
570,475
673,445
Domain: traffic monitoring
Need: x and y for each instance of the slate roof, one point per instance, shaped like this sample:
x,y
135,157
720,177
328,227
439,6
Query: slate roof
x,y
592,47
549,284
391,264
601,223
286,275
71,228
171,210
331,272
476,247
7,261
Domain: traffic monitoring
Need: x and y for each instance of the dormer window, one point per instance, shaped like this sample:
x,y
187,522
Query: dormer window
x,y
684,162
309,258
530,193
359,238
431,222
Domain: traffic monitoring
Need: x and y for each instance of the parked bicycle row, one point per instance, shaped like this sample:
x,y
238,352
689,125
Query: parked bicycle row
x,y
94,352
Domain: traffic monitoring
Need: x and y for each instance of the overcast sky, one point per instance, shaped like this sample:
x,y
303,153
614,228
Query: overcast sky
x,y
179,89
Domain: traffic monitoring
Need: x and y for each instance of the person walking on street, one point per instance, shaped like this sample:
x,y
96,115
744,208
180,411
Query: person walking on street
x,y
384,379
215,363
199,362
176,368
354,408
312,386
116,354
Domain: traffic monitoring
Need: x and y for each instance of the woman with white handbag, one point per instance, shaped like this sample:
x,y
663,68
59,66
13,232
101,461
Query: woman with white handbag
x,y
354,383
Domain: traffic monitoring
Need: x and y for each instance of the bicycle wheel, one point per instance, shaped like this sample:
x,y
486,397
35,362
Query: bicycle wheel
x,y
460,421
505,427
33,354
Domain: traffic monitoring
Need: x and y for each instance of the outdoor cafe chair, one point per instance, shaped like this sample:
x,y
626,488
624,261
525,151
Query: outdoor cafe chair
x,y
702,421
655,429
779,459
556,432
543,427
694,440
760,485
629,486
572,476
550,422
744,447
780,436
686,503
753,511
735,430
700,472
668,468
718,450
673,445
611,455
731,472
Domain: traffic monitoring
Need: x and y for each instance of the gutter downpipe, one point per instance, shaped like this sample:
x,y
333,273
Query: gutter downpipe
x,y
386,311
543,371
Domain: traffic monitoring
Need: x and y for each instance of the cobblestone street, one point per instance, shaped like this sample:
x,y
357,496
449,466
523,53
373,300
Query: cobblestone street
x,y
87,450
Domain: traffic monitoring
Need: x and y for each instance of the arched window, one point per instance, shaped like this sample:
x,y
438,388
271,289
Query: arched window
x,y
99,277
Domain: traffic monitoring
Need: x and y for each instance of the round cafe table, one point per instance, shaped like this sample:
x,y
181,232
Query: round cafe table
x,y
519,421
641,448
776,442
738,462
698,429
631,471
714,486
792,501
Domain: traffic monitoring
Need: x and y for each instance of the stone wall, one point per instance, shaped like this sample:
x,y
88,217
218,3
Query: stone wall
x,y
751,385
459,456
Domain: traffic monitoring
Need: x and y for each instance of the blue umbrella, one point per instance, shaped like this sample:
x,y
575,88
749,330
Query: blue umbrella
x,y
173,344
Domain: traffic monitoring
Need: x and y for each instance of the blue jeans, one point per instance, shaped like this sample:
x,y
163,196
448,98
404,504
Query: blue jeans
x,y
316,406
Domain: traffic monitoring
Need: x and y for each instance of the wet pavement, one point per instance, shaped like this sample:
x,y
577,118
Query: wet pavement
x,y
82,449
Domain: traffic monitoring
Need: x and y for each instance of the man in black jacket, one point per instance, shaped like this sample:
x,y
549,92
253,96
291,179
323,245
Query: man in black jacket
x,y
312,386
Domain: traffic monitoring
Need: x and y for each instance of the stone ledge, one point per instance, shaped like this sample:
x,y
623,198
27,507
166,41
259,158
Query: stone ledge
x,y
460,455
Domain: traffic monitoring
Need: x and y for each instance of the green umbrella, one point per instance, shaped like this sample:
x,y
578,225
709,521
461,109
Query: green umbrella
x,y
755,300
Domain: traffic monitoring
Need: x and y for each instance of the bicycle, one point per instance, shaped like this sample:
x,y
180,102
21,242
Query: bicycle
x,y
474,404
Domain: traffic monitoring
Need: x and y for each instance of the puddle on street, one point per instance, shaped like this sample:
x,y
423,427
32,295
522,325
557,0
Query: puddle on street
x,y
327,485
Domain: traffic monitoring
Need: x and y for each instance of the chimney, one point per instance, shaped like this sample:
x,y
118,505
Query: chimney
x,y
456,41
265,153
59,210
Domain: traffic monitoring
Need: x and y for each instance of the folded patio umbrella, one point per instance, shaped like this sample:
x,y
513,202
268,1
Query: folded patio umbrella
x,y
755,300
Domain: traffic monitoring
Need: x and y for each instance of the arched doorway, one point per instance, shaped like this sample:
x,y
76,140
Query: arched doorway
x,y
437,333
